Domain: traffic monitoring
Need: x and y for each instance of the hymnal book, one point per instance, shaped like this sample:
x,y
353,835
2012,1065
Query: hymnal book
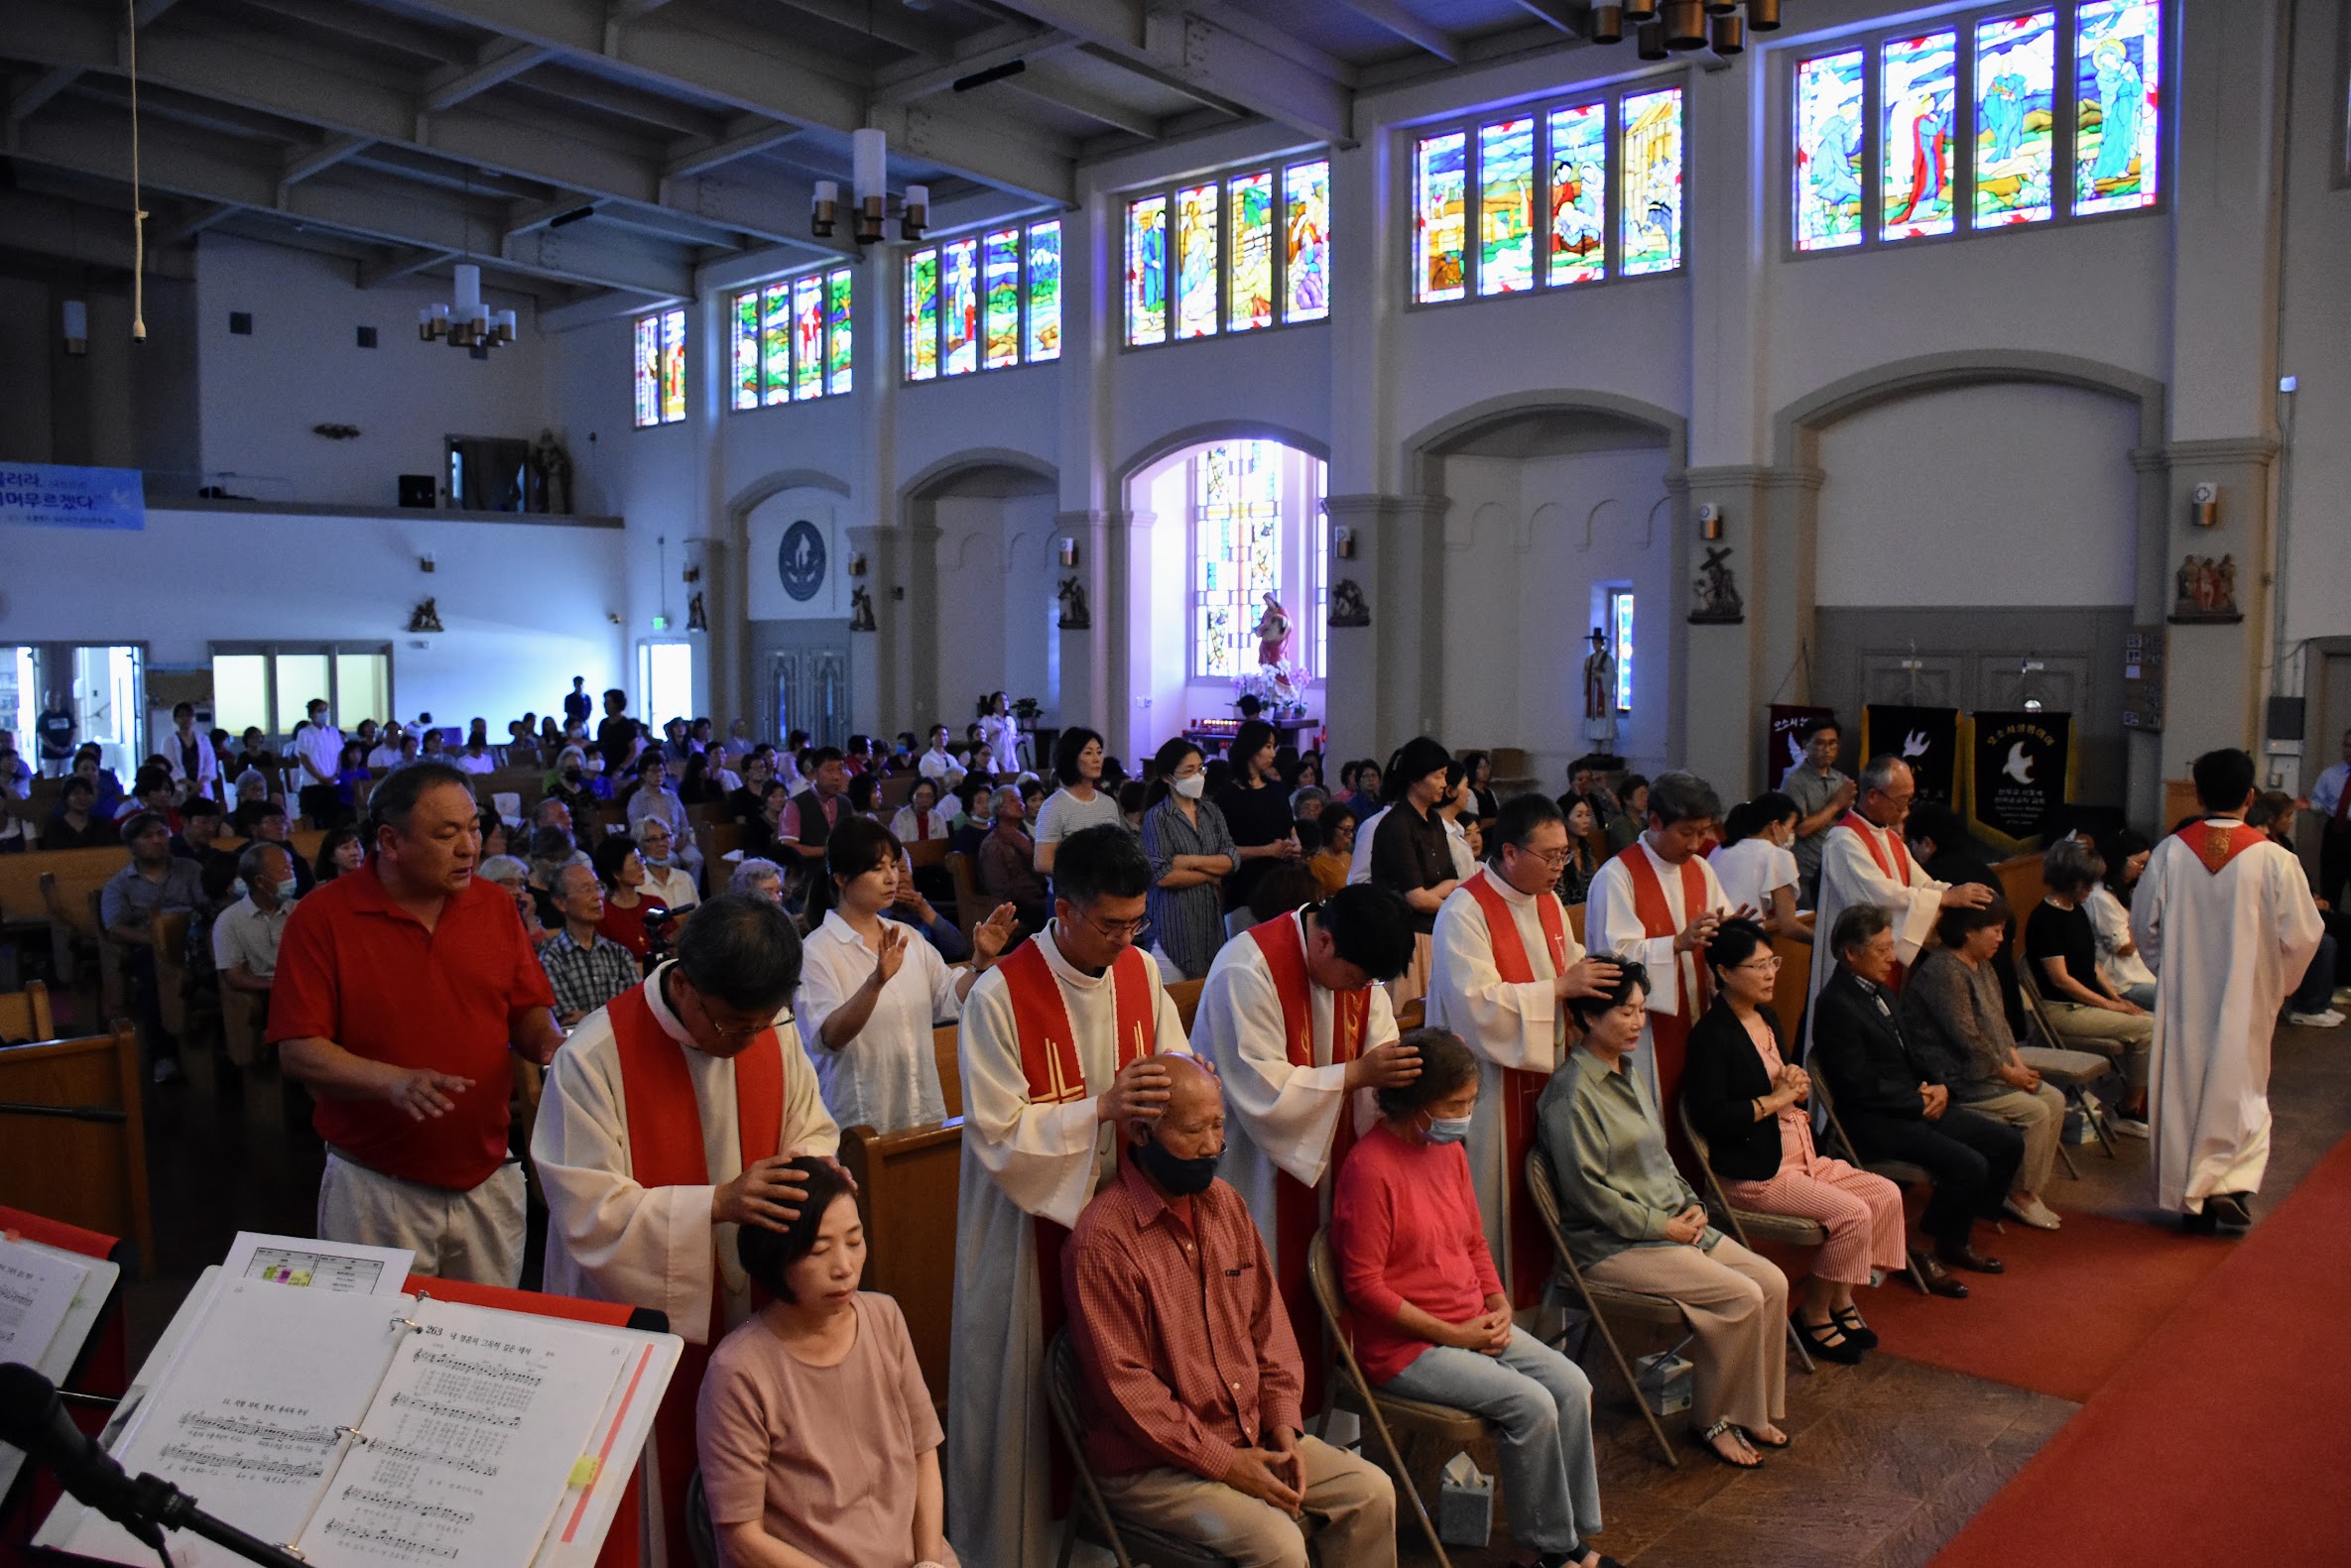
x,y
49,1300
367,1430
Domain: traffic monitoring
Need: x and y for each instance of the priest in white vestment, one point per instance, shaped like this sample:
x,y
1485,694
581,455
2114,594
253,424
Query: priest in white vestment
x,y
2226,920
1864,859
667,1121
1505,962
1297,1023
1055,1049
1658,902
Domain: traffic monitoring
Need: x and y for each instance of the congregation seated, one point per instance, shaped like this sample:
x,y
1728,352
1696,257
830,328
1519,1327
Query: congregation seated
x,y
343,851
698,783
1330,862
631,917
244,937
1892,1111
1632,1222
2310,1005
1957,1035
743,802
654,799
264,821
585,968
1749,1102
1006,869
2109,904
1190,1378
665,876
762,879
919,820
16,775
75,824
515,877
1427,1315
153,884
2062,946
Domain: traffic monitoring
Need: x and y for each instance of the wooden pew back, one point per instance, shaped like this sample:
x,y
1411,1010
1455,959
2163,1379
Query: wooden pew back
x,y
970,907
951,1074
20,877
2021,882
1186,994
92,1174
907,1186
1788,991
25,1014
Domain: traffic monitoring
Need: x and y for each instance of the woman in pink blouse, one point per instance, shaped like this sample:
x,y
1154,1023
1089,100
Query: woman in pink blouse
x,y
1429,1319
819,1444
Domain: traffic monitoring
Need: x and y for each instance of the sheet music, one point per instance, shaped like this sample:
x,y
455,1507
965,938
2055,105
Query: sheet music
x,y
469,1446
342,1266
245,1419
37,1290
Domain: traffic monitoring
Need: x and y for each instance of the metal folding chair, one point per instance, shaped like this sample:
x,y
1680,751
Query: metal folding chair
x,y
1745,1225
1090,1518
1898,1172
2072,1078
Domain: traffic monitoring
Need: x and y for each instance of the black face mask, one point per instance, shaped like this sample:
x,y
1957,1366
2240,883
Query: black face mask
x,y
572,776
1183,1177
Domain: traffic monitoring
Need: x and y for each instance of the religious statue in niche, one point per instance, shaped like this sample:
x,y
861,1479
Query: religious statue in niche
x,y
1599,695
1718,601
426,617
1346,604
696,620
2207,590
1273,635
1075,616
861,609
550,477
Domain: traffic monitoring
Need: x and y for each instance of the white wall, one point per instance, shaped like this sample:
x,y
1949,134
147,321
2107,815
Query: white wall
x,y
766,527
2000,494
301,367
997,572
524,605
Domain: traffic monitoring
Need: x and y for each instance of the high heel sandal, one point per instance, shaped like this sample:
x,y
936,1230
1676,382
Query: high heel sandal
x,y
1842,1350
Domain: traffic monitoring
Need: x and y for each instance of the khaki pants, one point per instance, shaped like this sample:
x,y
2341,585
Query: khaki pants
x,y
1737,1307
1353,1498
474,1236
2128,1035
2039,1114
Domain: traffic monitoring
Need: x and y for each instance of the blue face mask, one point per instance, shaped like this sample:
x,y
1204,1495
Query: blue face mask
x,y
1448,1129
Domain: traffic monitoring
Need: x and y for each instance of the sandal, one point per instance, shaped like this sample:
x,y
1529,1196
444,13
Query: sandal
x,y
1857,1331
1843,1350
1755,1440
1707,1440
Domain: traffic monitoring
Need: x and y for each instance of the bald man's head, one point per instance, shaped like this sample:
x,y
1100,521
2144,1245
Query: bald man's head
x,y
1192,1125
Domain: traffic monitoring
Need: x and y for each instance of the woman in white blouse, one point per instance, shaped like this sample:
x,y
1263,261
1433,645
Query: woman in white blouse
x,y
871,991
921,819
664,878
1756,866
2119,963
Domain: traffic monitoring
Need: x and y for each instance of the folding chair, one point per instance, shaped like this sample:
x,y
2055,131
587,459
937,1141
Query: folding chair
x,y
1898,1172
1543,1188
1787,1230
2069,1069
702,1537
1090,1518
1453,1429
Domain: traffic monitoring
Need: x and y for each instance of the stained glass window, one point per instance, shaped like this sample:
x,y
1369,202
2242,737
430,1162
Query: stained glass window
x,y
807,338
1829,166
1917,119
1147,271
774,355
1195,261
1440,200
1249,302
2116,59
1620,636
959,287
839,339
1506,208
1650,160
1236,552
648,371
1305,244
1578,243
1045,290
743,350
2015,73
673,366
1000,263
922,315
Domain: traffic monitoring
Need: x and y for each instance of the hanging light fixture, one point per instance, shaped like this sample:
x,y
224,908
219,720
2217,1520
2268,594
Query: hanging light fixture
x,y
1660,27
868,168
76,325
1650,39
1726,35
466,323
1608,24
913,215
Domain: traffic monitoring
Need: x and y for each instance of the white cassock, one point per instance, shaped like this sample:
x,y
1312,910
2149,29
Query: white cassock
x,y
1521,1028
2226,948
1851,874
1613,929
1284,1119
1021,1161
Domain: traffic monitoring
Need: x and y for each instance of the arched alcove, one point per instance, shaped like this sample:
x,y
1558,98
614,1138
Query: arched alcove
x,y
980,571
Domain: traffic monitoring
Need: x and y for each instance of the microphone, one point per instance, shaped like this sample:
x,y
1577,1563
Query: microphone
x,y
34,1419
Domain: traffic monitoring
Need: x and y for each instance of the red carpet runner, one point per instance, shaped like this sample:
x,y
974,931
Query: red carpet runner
x,y
2226,1437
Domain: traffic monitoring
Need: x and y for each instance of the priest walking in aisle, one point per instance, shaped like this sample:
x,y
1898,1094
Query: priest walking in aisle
x,y
1504,966
1865,859
2226,920
1296,1022
667,1124
1056,1051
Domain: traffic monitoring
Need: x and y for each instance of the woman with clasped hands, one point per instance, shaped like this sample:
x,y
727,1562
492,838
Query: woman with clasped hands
x,y
818,1441
1431,1321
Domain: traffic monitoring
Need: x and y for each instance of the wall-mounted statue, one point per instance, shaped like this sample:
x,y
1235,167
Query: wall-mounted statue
x,y
1075,617
1718,601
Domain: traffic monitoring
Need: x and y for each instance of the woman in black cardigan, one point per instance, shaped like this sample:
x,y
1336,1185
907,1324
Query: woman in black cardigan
x,y
1748,1103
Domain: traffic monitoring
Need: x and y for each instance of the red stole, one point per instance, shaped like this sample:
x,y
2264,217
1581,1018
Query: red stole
x,y
1298,1208
1895,864
666,1151
2216,845
1057,1077
1668,1036
1531,1261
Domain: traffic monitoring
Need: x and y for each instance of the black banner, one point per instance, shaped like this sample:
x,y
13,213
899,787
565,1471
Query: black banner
x,y
1926,738
1783,747
2022,769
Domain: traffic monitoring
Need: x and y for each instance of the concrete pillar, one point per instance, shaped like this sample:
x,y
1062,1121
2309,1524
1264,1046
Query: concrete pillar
x,y
877,658
1387,679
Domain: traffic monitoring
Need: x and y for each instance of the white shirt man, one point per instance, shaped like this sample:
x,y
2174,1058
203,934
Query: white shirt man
x,y
939,764
245,935
319,748
1864,859
2226,919
1055,1049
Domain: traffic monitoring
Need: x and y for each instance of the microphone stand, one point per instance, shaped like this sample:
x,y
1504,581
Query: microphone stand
x,y
160,1507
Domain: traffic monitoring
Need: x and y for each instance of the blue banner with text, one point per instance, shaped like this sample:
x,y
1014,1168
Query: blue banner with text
x,y
57,495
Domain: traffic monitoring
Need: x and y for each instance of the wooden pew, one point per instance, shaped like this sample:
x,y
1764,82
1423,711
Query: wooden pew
x,y
1787,991
171,971
970,907
894,791
1186,994
2022,884
25,1014
20,903
92,1174
718,840
907,1185
950,1073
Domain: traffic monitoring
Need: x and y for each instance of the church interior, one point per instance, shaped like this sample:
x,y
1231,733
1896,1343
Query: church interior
x,y
1871,456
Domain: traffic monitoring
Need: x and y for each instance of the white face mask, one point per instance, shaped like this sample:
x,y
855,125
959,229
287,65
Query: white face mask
x,y
596,764
1191,788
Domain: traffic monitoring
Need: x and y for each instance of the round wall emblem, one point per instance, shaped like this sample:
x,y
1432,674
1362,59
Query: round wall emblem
x,y
800,560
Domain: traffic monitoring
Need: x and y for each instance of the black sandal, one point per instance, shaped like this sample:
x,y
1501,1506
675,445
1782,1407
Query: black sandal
x,y
1756,1441
1860,1333
1706,1441
1843,1350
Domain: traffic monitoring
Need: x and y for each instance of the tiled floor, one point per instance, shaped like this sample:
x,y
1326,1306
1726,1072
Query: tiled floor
x,y
1891,1457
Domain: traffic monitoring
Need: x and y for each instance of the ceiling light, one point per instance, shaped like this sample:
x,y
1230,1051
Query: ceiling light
x,y
465,322
869,167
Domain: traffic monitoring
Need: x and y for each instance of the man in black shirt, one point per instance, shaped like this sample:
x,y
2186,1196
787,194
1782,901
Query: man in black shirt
x,y
2062,949
54,726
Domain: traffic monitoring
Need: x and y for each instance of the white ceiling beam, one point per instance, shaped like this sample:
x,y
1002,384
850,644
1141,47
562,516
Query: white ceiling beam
x,y
301,164
194,223
1392,15
909,79
1050,87
893,24
1567,18
25,102
747,135
590,310
63,227
502,60
404,263
1237,19
370,27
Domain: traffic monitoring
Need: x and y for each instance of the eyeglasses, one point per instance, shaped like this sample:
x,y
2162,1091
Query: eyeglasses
x,y
1120,930
1769,963
1556,859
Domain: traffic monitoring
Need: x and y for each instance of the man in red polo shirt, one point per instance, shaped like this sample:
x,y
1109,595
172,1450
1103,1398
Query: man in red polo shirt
x,y
401,988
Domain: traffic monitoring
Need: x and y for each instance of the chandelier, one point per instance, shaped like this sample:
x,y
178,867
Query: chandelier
x,y
869,161
1661,27
465,324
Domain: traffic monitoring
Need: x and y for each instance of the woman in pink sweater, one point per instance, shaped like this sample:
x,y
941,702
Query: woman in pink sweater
x,y
1430,1321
